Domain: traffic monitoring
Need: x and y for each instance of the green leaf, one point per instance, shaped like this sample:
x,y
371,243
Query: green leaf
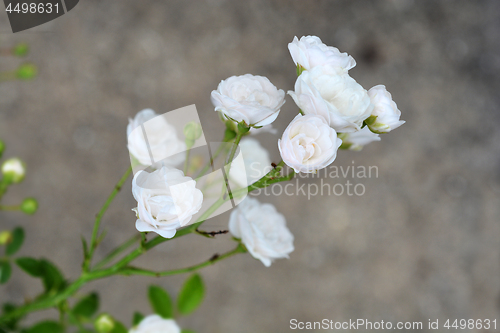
x,y
138,317
119,328
46,327
160,302
87,306
17,241
52,277
30,266
191,294
5,271
9,325
187,331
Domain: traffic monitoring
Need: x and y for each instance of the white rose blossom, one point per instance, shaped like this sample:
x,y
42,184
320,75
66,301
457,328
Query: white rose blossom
x,y
156,324
166,200
337,97
162,139
385,109
262,230
359,139
309,52
308,144
255,164
249,98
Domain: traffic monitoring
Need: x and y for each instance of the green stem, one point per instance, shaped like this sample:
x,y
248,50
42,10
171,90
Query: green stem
x,y
128,270
16,207
121,267
210,163
4,185
117,251
234,148
186,161
98,218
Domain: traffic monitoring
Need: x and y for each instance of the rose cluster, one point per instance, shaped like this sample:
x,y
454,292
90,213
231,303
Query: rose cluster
x,y
335,112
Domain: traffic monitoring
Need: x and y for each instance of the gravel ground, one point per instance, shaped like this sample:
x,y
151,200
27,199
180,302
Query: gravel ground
x,y
421,243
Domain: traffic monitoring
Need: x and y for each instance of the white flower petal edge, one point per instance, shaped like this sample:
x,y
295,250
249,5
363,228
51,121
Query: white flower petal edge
x,y
162,139
343,102
308,144
156,324
359,139
385,109
249,98
166,200
262,229
309,52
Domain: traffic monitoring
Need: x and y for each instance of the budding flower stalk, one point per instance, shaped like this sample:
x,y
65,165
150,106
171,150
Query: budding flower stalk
x,y
13,170
104,323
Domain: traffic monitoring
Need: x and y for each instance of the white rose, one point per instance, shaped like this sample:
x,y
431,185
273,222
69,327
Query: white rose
x,y
337,97
310,52
166,200
254,165
162,139
156,324
308,144
249,98
357,140
262,230
385,109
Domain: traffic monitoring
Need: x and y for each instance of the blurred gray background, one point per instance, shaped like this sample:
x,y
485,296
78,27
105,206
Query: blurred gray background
x,y
422,243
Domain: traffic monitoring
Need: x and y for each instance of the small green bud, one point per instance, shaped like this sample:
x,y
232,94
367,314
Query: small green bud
x,y
104,323
26,71
13,170
192,131
370,120
5,237
29,206
21,50
300,69
2,147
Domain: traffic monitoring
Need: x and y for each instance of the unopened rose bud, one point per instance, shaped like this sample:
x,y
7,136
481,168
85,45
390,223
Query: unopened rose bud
x,y
26,71
192,132
5,237
2,147
21,49
13,170
29,206
104,323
